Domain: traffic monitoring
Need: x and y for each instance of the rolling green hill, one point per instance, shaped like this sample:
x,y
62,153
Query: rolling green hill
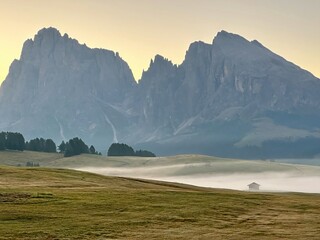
x,y
14,158
43,203
180,165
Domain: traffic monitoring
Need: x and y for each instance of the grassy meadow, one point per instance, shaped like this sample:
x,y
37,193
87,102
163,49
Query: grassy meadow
x,y
56,203
172,165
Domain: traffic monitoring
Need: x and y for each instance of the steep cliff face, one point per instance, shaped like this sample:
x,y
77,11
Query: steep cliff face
x,y
157,88
61,89
232,97
253,74
234,92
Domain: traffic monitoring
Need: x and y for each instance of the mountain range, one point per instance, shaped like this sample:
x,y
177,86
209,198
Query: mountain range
x,y
231,98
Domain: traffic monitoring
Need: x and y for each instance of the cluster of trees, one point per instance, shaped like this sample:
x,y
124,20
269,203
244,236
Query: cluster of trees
x,y
75,146
16,141
12,141
41,145
144,153
122,149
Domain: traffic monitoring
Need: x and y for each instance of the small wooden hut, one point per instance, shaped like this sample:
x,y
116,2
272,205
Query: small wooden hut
x,y
254,186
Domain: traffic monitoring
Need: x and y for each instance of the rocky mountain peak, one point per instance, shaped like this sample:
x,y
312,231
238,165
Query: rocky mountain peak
x,y
233,44
158,59
159,63
64,85
196,49
225,96
48,42
230,40
159,66
47,33
227,35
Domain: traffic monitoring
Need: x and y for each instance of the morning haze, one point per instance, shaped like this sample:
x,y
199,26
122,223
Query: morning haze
x,y
139,30
177,119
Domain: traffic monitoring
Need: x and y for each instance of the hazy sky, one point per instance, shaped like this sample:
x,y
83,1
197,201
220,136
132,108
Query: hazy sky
x,y
140,29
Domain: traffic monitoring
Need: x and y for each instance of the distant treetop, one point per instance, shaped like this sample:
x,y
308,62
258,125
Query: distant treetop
x,y
122,149
12,141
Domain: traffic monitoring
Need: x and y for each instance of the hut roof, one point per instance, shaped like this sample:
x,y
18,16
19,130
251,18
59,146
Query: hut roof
x,y
253,184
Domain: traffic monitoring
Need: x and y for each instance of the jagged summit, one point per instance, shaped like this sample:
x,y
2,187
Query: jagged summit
x,y
196,48
159,66
231,43
227,39
48,37
159,58
49,40
46,42
49,32
225,34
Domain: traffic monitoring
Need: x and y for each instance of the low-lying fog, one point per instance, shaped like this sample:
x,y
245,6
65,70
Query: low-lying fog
x,y
270,181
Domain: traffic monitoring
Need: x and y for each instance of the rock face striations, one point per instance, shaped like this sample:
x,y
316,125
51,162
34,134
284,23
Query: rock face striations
x,y
232,98
229,98
62,89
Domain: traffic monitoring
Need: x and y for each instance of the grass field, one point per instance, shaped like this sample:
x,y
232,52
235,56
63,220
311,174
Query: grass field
x,y
14,158
40,203
197,170
173,165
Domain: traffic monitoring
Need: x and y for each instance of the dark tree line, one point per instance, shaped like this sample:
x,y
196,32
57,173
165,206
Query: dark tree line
x,y
2,141
121,149
12,141
41,145
16,141
75,146
145,153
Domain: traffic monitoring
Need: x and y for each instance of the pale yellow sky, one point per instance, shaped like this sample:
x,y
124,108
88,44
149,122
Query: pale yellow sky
x,y
140,29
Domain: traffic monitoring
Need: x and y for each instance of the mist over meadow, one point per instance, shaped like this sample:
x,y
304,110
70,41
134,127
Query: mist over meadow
x,y
286,181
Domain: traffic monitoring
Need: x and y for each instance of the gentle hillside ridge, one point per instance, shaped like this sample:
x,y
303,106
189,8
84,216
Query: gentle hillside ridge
x,y
195,170
180,164
12,177
39,203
